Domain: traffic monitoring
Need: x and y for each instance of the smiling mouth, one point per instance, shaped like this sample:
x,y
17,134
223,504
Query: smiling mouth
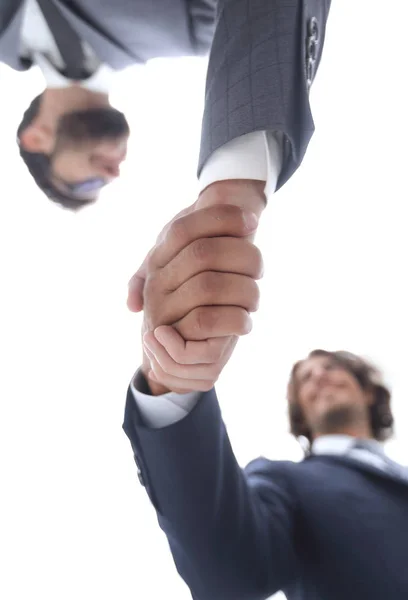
x,y
323,391
325,386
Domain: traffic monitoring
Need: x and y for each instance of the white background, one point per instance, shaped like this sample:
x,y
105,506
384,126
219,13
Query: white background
x,y
75,522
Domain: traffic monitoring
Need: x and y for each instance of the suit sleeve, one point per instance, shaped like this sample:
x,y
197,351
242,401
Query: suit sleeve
x,y
263,58
230,530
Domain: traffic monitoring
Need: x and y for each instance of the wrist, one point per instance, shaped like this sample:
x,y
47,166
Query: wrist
x,y
245,193
156,389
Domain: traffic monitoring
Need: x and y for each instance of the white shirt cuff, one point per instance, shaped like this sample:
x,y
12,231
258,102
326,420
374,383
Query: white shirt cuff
x,y
256,155
161,411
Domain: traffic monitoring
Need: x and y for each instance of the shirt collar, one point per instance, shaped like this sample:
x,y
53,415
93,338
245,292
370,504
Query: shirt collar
x,y
100,81
341,444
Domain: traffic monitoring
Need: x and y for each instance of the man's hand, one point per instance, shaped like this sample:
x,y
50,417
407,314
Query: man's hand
x,y
246,194
200,285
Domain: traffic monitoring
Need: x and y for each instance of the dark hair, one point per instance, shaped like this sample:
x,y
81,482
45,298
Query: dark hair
x,y
38,164
369,378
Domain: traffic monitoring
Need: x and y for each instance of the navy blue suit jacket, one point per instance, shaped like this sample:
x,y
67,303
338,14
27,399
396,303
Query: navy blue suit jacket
x,y
327,528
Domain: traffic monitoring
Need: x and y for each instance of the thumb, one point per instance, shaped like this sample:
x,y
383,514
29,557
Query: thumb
x,y
135,292
136,287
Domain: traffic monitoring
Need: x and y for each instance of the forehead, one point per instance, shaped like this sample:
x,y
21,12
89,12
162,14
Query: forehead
x,y
315,361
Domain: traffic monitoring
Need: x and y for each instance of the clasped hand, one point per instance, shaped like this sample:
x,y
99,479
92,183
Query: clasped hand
x,y
197,287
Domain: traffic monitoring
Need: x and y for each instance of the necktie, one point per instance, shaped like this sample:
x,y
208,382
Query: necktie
x,y
67,40
391,466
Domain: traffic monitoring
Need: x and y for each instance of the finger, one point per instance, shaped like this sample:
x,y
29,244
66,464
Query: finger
x,y
210,289
180,214
137,281
136,285
171,367
214,221
152,377
214,322
205,352
224,254
171,381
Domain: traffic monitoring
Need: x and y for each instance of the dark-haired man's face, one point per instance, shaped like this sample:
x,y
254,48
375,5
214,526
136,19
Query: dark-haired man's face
x,y
89,147
330,397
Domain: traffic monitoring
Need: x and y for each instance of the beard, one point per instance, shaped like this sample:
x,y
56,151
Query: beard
x,y
82,127
339,418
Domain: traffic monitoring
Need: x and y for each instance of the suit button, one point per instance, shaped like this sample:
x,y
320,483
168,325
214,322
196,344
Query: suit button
x,y
313,28
140,477
309,71
312,49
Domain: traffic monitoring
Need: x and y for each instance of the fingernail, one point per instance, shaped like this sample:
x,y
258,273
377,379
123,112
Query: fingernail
x,y
158,335
251,220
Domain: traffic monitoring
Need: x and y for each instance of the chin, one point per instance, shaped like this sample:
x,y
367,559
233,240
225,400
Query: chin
x,y
339,416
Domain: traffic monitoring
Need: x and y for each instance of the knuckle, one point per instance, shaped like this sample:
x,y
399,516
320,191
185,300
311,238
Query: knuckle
x,y
243,322
217,373
258,262
202,249
217,350
241,218
209,283
150,282
205,319
178,230
150,262
254,296
230,211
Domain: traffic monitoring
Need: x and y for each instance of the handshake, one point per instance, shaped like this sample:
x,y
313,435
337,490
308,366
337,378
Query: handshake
x,y
197,287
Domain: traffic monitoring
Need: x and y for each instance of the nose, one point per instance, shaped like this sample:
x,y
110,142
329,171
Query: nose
x,y
111,170
108,168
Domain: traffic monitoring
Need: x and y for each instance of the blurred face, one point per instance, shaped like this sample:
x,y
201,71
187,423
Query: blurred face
x,y
89,148
330,397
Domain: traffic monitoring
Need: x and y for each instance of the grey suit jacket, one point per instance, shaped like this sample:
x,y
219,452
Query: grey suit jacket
x,y
263,57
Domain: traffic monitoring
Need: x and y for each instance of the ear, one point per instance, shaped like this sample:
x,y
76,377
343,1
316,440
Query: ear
x,y
37,139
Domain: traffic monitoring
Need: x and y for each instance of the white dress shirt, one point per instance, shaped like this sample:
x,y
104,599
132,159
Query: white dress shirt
x,y
164,410
256,155
343,445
